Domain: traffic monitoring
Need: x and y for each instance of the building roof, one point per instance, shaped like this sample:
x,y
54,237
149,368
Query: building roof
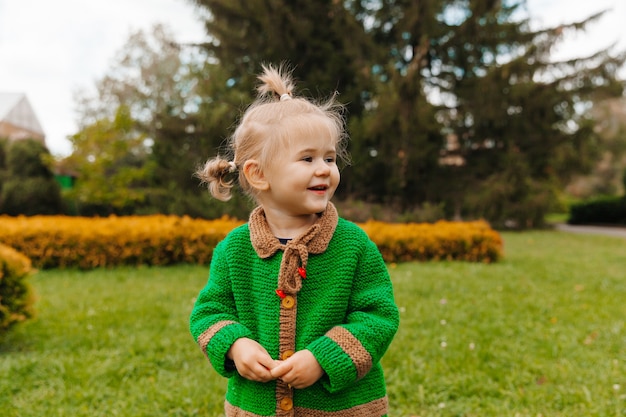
x,y
17,111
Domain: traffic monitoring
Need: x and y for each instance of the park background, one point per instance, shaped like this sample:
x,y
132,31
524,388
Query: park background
x,y
457,111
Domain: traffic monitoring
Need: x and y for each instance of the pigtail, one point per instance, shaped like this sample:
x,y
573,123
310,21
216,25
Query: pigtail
x,y
276,82
214,174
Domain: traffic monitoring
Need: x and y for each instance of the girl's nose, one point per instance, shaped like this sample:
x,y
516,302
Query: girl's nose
x,y
322,169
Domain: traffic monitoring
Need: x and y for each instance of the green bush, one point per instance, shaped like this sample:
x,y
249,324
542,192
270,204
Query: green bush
x,y
511,198
4,144
606,210
31,196
27,158
511,203
16,299
29,186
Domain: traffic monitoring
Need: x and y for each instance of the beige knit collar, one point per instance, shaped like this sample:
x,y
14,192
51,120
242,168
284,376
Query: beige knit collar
x,y
314,240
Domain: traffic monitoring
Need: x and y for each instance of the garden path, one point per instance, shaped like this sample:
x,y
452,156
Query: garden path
x,y
595,230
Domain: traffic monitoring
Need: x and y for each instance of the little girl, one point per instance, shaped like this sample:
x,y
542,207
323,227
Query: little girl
x,y
299,308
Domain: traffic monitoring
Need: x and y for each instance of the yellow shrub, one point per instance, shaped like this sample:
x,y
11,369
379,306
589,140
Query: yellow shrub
x,y
461,241
85,242
61,241
16,299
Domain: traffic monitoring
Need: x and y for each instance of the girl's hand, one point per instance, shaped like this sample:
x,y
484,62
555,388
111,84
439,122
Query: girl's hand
x,y
300,371
252,360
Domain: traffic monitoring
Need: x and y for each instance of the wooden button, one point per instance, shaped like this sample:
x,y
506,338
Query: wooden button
x,y
286,404
287,354
288,302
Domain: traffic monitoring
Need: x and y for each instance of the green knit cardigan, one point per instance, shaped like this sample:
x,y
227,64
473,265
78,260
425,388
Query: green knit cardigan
x,y
327,291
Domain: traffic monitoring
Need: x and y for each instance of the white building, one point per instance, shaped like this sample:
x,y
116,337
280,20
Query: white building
x,y
17,118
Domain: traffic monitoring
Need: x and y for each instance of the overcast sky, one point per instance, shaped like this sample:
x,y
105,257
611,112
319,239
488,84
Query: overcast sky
x,y
49,49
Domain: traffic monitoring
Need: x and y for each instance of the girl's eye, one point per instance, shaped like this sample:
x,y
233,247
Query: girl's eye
x,y
330,159
308,159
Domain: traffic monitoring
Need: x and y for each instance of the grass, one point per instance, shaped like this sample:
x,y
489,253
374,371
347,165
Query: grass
x,y
109,343
553,218
541,333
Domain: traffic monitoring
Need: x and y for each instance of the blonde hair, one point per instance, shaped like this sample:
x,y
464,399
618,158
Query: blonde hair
x,y
267,126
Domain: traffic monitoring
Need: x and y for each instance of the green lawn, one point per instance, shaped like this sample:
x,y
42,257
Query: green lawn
x,y
542,333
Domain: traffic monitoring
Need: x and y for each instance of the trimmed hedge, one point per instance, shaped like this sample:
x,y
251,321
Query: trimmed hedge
x,y
82,242
460,241
92,242
16,297
607,210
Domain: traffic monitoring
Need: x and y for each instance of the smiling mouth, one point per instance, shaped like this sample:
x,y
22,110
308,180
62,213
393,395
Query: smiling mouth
x,y
319,188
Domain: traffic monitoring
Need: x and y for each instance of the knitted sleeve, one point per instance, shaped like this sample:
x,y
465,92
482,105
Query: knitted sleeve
x,y
214,321
348,352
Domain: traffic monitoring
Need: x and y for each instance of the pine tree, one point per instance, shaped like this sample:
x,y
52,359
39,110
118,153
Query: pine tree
x,y
322,41
512,109
511,129
451,101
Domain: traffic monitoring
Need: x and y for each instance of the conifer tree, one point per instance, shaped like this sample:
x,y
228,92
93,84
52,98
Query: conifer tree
x,y
453,101
321,40
520,119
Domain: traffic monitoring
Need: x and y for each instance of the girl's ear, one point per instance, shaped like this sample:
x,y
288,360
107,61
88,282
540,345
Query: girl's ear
x,y
254,175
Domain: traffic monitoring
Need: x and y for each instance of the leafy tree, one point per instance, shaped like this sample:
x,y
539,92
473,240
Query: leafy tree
x,y
145,131
605,178
4,145
110,159
148,76
29,187
119,122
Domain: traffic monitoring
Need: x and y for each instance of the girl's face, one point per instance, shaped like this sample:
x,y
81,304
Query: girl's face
x,y
303,179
